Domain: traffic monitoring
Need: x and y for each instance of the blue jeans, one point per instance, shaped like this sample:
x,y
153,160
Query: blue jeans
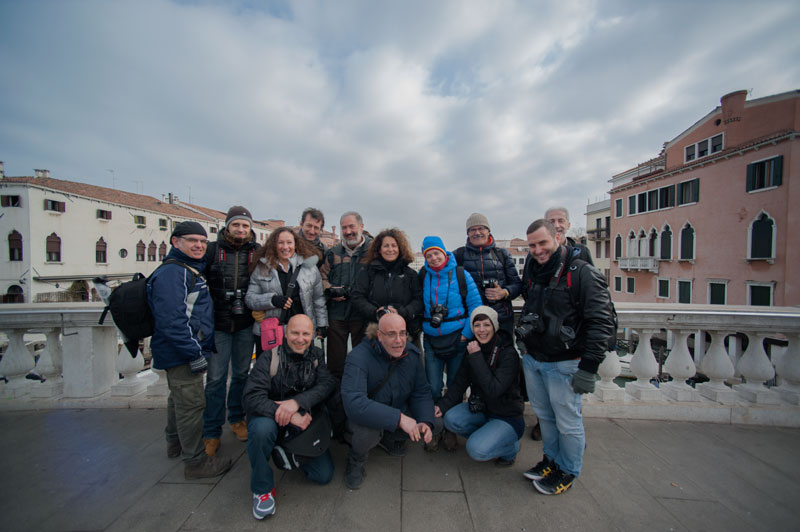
x,y
435,366
261,435
549,387
487,438
234,350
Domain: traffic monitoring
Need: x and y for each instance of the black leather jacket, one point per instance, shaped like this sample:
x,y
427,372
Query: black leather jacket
x,y
228,270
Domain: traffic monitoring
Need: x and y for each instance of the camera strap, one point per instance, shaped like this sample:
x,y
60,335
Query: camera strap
x,y
290,286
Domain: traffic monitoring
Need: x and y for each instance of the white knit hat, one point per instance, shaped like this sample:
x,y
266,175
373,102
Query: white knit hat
x,y
486,311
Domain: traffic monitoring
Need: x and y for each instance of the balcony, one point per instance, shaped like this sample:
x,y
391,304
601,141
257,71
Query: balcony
x,y
598,234
638,263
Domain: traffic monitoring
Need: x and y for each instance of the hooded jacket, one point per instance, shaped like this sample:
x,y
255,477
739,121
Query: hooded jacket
x,y
441,288
491,262
382,284
183,314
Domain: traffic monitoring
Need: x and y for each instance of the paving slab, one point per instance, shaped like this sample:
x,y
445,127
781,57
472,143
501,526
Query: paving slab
x,y
163,508
440,511
432,471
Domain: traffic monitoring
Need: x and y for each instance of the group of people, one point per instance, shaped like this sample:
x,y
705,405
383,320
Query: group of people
x,y
423,356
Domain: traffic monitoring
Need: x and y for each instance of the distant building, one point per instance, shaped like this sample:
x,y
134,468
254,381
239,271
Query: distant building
x,y
598,235
710,219
61,234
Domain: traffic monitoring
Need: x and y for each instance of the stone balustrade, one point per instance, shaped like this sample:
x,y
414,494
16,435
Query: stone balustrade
x,y
82,363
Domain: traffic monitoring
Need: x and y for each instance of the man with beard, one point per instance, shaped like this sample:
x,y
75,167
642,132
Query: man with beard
x,y
228,260
565,326
340,270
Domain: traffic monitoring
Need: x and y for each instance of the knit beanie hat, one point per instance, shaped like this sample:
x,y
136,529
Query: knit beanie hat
x,y
477,218
189,228
237,212
489,312
433,242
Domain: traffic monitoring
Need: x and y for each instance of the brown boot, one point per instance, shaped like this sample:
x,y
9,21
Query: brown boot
x,y
207,467
240,429
450,440
212,445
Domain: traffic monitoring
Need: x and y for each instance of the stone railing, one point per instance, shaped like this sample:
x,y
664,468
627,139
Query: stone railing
x,y
638,263
82,363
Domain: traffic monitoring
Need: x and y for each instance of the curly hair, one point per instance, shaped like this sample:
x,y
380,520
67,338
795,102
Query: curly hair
x,y
374,251
270,249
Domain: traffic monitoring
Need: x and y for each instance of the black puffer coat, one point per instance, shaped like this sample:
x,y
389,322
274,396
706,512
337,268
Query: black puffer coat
x,y
227,270
382,284
491,262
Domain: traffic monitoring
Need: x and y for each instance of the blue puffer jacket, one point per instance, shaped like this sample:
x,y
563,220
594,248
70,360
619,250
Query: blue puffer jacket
x,y
441,288
491,262
184,320
406,391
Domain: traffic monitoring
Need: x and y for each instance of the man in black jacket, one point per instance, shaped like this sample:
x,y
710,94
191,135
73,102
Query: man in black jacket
x,y
299,386
565,327
228,274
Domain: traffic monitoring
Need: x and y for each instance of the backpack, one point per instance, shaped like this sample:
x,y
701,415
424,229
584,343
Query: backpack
x,y
129,308
573,285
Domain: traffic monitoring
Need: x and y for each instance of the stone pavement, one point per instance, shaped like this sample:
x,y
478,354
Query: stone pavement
x,y
70,470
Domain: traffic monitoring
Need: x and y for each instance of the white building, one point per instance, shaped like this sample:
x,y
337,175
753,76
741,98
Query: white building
x,y
61,234
598,234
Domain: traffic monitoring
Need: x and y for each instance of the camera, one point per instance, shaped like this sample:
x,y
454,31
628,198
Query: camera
x,y
438,314
489,283
237,305
338,291
382,312
528,325
476,404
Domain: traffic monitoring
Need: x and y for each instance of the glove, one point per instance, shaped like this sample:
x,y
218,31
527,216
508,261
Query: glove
x,y
322,332
583,382
279,301
258,315
199,364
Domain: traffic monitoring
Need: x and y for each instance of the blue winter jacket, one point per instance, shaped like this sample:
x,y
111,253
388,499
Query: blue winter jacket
x,y
407,390
184,320
441,288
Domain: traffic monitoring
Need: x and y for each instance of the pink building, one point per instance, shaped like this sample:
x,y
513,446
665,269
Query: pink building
x,y
710,219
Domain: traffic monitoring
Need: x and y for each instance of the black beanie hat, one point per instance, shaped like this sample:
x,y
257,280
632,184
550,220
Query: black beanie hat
x,y
237,212
189,228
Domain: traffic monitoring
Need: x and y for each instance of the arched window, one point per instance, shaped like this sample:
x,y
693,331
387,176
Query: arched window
x,y
14,246
666,243
14,295
100,251
642,244
762,237
631,251
687,242
618,247
53,248
140,251
652,243
151,252
162,251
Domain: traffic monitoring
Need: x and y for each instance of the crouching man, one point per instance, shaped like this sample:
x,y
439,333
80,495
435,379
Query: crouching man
x,y
285,395
383,386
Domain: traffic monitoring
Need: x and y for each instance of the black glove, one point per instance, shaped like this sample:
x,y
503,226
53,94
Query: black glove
x,y
322,332
583,382
199,364
279,301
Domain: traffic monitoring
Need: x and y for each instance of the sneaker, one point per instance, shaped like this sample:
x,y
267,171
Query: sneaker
x,y
207,467
503,462
212,445
354,475
536,432
264,505
555,483
240,429
393,448
540,470
174,449
450,441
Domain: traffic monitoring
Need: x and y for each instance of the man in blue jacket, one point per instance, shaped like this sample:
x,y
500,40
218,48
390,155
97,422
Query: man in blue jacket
x,y
182,341
383,386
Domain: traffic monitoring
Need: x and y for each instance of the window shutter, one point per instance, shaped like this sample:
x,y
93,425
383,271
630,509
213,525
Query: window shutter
x,y
751,177
695,190
777,170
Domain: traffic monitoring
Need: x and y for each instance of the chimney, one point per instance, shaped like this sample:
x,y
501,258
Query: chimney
x,y
732,117
333,231
41,173
171,199
1,170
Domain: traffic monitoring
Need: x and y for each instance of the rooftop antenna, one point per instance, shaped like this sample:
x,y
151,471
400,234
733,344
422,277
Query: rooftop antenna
x,y
113,178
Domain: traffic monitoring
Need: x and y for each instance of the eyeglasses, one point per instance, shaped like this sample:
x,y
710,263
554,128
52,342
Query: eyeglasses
x,y
394,335
201,241
473,230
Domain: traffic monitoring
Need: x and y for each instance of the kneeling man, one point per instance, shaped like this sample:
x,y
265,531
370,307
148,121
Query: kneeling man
x,y
288,395
383,386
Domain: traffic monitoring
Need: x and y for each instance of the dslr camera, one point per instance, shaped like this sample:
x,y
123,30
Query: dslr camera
x,y
237,301
339,291
489,283
382,312
528,325
438,314
476,404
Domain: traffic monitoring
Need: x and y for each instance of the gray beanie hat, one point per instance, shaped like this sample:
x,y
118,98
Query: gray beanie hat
x,y
486,311
477,218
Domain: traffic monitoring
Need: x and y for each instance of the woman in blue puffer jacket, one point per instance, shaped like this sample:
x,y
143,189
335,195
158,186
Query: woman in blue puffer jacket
x,y
446,319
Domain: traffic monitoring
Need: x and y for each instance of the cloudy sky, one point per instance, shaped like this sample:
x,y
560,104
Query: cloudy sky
x,y
415,113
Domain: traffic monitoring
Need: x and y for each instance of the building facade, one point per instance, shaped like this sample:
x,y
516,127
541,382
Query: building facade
x,y
598,235
709,220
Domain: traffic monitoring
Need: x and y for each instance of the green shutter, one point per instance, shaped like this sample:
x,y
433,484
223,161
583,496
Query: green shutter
x,y
751,177
695,190
777,170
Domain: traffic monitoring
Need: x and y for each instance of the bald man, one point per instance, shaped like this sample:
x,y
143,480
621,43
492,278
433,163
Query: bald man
x,y
386,395
290,394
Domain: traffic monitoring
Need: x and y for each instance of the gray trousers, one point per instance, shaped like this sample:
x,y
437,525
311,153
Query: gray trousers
x,y
185,405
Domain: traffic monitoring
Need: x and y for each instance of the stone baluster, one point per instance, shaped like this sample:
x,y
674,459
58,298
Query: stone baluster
x,y
129,367
680,366
717,366
49,367
789,371
607,389
16,363
756,368
645,367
